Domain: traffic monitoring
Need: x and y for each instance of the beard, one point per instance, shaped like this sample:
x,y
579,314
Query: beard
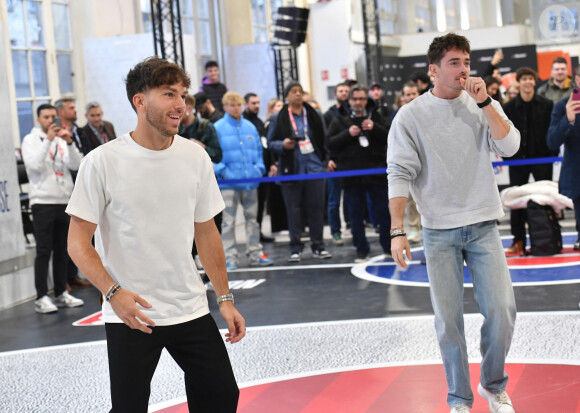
x,y
156,119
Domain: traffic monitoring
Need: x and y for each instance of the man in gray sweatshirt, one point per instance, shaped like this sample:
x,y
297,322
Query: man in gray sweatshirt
x,y
439,145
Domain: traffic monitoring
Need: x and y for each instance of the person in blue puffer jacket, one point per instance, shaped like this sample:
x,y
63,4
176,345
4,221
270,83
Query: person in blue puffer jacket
x,y
242,158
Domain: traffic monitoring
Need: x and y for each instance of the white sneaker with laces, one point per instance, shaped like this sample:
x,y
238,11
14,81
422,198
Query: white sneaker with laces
x,y
67,300
45,305
498,402
460,408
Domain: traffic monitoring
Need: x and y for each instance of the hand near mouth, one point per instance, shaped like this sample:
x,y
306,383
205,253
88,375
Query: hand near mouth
x,y
475,87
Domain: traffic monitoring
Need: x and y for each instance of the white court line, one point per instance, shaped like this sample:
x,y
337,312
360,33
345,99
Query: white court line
x,y
302,325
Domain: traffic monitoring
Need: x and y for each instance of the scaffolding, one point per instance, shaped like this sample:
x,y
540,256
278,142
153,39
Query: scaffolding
x,y
372,41
167,39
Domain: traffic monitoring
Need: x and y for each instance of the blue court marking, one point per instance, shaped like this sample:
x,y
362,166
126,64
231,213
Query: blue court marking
x,y
536,271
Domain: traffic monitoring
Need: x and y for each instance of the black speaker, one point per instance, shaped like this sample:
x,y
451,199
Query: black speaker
x,y
291,24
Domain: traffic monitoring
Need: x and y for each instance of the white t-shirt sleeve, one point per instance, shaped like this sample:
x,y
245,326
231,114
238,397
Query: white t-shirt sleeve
x,y
88,199
209,201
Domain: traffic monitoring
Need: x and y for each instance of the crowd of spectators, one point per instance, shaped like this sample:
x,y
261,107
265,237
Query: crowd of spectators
x,y
298,137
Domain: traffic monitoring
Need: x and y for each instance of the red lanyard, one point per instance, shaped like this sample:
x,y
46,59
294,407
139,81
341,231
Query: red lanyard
x,y
304,119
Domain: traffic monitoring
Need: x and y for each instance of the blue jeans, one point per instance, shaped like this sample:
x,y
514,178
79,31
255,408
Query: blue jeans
x,y
355,196
480,246
334,190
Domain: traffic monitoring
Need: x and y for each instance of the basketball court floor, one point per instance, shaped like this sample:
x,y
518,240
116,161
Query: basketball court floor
x,y
323,336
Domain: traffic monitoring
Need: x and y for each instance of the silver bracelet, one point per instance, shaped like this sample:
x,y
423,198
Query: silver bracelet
x,y
397,231
112,293
225,297
110,289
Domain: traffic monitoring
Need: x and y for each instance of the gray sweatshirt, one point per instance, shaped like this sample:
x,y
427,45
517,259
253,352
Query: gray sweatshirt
x,y
440,147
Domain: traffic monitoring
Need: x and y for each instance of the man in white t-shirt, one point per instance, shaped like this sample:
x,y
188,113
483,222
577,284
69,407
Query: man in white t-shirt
x,y
144,196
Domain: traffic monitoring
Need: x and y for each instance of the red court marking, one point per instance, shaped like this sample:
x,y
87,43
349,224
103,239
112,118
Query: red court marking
x,y
515,260
90,320
534,388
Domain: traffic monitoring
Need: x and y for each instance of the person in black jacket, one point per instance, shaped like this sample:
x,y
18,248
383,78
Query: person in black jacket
x,y
530,114
357,140
296,135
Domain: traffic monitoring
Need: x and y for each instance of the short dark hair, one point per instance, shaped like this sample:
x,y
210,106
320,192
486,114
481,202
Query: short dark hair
x,y
152,73
560,59
358,88
523,71
200,99
490,80
211,63
410,83
342,84
44,106
420,75
441,45
249,95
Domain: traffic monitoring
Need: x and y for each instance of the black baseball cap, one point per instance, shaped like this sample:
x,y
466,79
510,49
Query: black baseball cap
x,y
375,84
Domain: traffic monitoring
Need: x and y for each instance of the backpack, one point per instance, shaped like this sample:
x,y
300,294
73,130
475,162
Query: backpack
x,y
544,228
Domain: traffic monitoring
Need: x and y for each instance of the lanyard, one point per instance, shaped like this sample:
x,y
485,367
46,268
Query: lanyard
x,y
304,119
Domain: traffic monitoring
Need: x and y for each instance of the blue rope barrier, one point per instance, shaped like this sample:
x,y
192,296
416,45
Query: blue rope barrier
x,y
373,171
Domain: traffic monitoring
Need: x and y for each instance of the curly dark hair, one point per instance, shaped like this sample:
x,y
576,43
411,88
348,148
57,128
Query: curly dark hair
x,y
151,73
522,71
441,45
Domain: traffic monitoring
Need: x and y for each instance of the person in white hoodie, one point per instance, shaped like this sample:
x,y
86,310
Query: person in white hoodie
x,y
439,145
49,155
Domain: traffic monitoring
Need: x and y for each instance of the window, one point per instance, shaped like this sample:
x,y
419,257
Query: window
x,y
260,21
37,78
423,17
387,10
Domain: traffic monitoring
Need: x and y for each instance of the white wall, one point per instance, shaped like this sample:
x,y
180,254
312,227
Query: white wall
x,y
107,61
330,47
11,234
250,68
482,38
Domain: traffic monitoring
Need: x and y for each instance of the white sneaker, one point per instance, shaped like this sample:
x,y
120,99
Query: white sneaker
x,y
498,402
67,300
460,408
44,305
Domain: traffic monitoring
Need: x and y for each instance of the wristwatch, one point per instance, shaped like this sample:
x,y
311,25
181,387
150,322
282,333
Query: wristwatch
x,y
485,102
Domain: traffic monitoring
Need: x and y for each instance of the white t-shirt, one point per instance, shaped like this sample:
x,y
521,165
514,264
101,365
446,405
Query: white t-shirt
x,y
145,204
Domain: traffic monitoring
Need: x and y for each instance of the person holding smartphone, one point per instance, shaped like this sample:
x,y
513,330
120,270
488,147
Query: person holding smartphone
x,y
358,140
49,155
565,130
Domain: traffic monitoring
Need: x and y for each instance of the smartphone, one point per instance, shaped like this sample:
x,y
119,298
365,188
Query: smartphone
x,y
57,122
298,138
576,94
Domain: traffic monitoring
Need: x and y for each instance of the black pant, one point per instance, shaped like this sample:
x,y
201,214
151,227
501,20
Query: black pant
x,y
311,192
51,231
520,175
198,349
